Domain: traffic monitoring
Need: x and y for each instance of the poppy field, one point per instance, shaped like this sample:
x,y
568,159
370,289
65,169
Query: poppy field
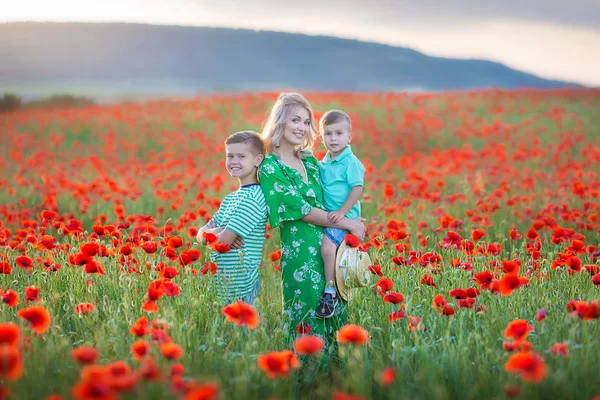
x,y
483,216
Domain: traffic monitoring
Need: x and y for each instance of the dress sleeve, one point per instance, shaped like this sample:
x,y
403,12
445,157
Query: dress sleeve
x,y
284,201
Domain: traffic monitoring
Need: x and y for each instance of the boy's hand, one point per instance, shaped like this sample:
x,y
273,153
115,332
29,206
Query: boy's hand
x,y
238,243
335,216
211,224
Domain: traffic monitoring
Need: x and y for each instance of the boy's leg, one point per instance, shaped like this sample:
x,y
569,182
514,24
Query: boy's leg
x,y
328,301
328,250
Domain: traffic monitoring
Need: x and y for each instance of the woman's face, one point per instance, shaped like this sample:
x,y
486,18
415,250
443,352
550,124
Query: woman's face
x,y
297,126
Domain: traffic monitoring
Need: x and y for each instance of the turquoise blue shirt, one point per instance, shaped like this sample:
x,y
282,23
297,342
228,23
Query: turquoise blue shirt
x,y
338,177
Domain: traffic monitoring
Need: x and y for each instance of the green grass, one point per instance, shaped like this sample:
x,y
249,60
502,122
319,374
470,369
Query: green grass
x,y
176,143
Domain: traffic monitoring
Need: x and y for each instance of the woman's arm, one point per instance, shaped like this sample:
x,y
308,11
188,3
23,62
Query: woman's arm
x,y
319,217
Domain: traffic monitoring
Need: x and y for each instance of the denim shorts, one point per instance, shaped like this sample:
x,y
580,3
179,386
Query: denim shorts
x,y
336,235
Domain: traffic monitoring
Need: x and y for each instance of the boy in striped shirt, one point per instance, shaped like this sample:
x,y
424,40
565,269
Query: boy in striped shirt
x,y
240,221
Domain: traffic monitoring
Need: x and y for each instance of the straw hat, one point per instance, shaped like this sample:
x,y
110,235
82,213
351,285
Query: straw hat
x,y
352,270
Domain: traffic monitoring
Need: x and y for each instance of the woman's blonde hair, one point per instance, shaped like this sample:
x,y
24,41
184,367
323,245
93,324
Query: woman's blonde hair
x,y
280,112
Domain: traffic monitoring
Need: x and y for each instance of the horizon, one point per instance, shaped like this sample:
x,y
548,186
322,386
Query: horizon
x,y
549,43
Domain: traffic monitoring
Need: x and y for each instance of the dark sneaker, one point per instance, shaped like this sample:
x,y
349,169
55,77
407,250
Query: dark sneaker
x,y
327,305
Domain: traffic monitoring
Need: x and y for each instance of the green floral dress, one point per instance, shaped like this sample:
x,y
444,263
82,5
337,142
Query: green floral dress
x,y
289,199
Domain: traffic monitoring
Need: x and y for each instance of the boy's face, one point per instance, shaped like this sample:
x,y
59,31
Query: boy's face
x,y
242,162
336,137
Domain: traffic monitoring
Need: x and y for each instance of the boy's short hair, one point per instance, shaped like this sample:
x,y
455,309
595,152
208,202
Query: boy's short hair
x,y
334,117
253,138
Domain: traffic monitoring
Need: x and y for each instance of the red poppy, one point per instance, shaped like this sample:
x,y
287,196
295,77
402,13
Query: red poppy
x,y
31,293
277,364
559,349
174,242
514,235
308,345
483,279
477,234
210,238
414,324
139,349
171,351
510,267
518,329
596,279
447,310
150,306
528,365
303,328
140,328
11,364
508,283
541,315
89,248
397,315
393,297
5,268
10,298
209,266
353,334
168,272
24,262
517,345
458,293
427,279
337,395
221,247
47,242
171,289
375,270
388,376
531,234
150,247
241,313
192,231
383,286
176,369
84,308
85,354
94,267
207,391
38,318
275,256
10,334
351,240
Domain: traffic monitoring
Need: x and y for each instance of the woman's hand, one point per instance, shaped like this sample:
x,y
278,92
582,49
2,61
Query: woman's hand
x,y
335,216
357,228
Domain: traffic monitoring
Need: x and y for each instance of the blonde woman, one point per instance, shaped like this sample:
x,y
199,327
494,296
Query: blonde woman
x,y
289,178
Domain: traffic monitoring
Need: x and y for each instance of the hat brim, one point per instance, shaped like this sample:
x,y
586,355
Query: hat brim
x,y
361,270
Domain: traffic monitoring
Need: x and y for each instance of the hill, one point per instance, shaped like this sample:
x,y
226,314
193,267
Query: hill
x,y
178,58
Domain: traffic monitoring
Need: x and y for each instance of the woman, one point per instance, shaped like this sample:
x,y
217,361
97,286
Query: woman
x,y
289,177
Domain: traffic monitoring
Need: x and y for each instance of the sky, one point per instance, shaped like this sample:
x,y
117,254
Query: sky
x,y
555,39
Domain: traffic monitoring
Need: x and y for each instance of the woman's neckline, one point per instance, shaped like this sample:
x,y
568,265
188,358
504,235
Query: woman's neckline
x,y
307,181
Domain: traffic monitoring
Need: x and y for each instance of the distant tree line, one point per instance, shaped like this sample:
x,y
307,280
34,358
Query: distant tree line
x,y
11,102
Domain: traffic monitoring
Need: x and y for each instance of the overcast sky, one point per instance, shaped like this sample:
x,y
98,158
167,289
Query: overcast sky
x,y
551,38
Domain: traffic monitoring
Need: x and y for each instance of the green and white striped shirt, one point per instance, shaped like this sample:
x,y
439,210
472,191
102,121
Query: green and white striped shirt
x,y
243,212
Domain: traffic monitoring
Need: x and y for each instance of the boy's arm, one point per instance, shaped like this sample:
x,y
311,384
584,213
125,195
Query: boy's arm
x,y
223,236
206,228
351,200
